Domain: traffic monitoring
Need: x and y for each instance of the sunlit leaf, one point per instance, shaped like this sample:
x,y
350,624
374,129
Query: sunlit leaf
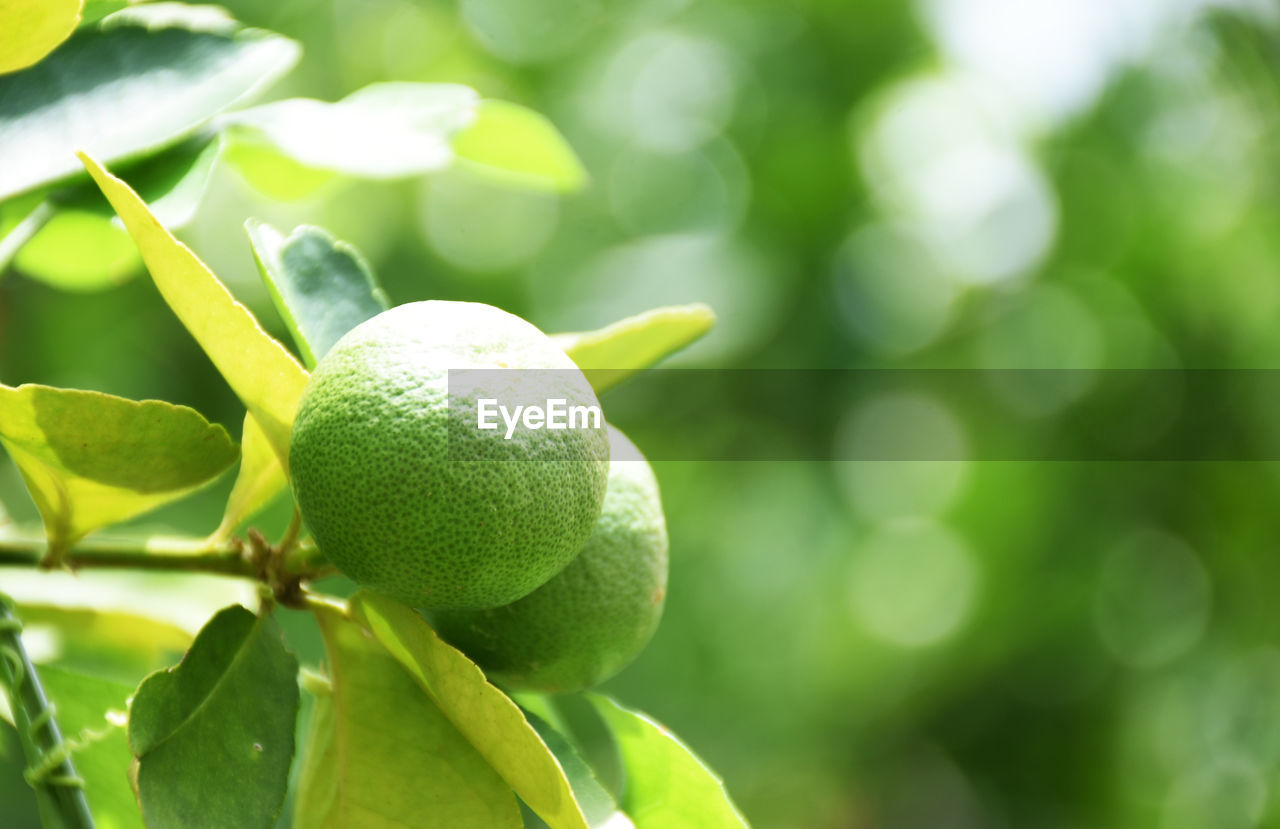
x,y
667,786
261,371
121,646
179,64
260,479
31,29
490,720
79,250
321,286
611,354
381,754
269,172
91,459
385,130
512,144
224,716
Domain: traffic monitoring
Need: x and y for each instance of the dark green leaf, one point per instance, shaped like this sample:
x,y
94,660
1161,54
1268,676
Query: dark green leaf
x,y
181,65
382,755
214,734
91,459
667,786
321,286
596,803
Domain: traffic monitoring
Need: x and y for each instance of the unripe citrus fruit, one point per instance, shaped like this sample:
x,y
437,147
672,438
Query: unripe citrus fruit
x,y
594,617
401,490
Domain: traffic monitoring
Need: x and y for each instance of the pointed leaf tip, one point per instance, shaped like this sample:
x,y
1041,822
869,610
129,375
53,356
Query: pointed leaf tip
x,y
611,354
260,370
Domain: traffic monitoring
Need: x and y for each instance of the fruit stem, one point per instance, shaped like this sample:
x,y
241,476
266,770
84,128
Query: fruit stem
x,y
290,539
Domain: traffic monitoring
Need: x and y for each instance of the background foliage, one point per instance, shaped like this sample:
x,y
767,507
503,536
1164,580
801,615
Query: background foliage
x,y
980,183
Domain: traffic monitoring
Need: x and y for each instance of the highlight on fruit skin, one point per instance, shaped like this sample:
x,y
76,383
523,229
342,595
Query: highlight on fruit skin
x,y
402,492
594,617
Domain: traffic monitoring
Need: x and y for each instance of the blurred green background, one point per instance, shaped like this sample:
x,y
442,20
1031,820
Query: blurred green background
x,y
1084,184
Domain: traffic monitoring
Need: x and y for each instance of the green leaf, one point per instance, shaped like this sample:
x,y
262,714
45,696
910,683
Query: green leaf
x,y
597,805
90,459
261,371
172,183
667,786
84,246
515,145
95,10
260,479
490,720
21,218
381,754
179,64
91,712
321,286
214,734
30,29
613,353
119,646
79,250
383,131
272,174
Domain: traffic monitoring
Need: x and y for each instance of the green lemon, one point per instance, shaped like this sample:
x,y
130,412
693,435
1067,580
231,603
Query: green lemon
x,y
596,615
401,490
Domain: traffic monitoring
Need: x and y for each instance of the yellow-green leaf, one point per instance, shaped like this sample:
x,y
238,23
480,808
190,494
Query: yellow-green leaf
x,y
121,646
667,786
79,250
261,478
510,143
91,459
611,354
381,755
490,720
262,373
30,29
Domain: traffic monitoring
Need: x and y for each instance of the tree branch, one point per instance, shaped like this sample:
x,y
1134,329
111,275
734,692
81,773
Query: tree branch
x,y
168,554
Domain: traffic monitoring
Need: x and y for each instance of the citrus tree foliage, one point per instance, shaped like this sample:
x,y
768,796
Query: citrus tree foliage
x,y
134,723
